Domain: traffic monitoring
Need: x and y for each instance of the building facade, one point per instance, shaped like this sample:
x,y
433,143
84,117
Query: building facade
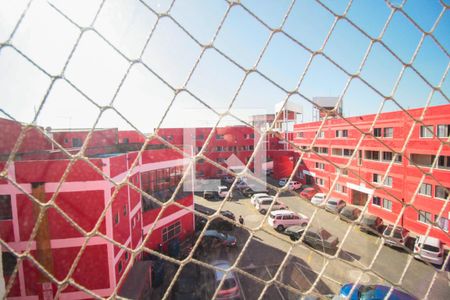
x,y
374,173
83,197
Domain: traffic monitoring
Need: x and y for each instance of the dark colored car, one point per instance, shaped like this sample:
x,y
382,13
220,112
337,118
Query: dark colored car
x,y
187,284
215,239
211,195
371,224
349,213
372,292
217,223
308,193
248,192
317,238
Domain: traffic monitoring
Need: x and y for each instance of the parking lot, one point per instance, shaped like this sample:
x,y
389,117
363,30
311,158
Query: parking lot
x,y
267,249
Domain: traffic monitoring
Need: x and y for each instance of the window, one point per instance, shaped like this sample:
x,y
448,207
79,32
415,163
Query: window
x,y
345,133
360,157
219,148
425,189
444,162
344,172
126,141
125,210
387,204
387,156
120,267
249,136
116,218
372,155
441,192
251,147
348,152
300,134
376,178
200,137
388,132
200,161
319,181
377,132
169,138
340,188
220,160
9,263
320,134
376,201
426,131
171,231
424,217
320,166
126,256
219,136
443,130
441,222
76,142
5,207
388,181
323,150
336,151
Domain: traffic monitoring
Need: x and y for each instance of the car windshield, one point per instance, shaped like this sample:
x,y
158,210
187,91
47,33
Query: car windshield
x,y
430,248
332,202
228,283
223,236
366,292
325,234
369,221
397,232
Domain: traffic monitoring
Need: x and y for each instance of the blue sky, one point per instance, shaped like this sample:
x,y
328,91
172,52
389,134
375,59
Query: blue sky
x,y
96,69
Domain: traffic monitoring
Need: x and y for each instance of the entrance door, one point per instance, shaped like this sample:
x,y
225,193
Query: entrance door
x,y
359,198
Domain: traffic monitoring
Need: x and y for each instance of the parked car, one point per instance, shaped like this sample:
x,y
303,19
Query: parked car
x,y
257,196
228,179
214,238
319,199
294,185
396,238
222,191
335,205
372,292
217,223
210,195
263,204
249,191
349,213
371,224
186,287
432,250
308,193
281,219
317,238
282,181
231,288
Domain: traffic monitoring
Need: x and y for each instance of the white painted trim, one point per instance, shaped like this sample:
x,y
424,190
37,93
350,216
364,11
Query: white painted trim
x,y
360,188
22,281
166,220
15,217
59,243
76,186
109,233
306,172
119,254
83,295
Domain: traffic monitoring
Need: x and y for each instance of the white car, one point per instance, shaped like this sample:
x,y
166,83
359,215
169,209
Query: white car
x,y
263,205
222,191
294,185
256,196
432,250
319,199
282,181
281,219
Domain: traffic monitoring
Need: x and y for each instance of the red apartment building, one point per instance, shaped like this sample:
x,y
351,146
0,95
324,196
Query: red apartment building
x,y
83,196
361,178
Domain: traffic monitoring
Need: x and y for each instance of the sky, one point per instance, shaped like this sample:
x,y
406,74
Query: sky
x,y
145,97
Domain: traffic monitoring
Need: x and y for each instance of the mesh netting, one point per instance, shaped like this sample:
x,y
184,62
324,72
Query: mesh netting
x,y
286,268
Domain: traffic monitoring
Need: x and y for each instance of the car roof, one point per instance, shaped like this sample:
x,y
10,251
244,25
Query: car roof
x,y
282,212
320,194
429,241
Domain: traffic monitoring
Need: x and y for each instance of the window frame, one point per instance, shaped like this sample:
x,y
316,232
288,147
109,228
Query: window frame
x,y
424,132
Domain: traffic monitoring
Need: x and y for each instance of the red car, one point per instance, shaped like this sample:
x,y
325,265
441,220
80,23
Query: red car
x,y
308,193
